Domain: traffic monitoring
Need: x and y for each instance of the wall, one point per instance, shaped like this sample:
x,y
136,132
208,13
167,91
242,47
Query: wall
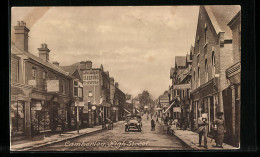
x,y
51,74
212,40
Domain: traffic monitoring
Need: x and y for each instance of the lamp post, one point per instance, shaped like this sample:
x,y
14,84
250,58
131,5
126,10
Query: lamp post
x,y
77,105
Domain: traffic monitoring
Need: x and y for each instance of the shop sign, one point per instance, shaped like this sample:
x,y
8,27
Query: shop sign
x,y
176,109
12,114
17,91
53,85
32,83
93,107
164,104
36,108
115,108
182,86
91,78
79,104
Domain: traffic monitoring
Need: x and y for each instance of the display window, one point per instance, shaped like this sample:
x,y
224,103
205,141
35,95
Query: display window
x,y
17,117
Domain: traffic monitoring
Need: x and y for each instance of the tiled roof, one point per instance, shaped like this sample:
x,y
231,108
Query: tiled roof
x,y
180,60
17,51
71,70
220,16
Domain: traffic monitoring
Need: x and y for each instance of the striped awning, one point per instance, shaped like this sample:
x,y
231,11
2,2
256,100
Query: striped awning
x,y
169,107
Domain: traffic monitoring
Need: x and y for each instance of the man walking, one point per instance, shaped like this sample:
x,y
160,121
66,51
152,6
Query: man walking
x,y
203,129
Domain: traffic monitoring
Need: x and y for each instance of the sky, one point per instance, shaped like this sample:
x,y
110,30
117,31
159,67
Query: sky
x,y
136,44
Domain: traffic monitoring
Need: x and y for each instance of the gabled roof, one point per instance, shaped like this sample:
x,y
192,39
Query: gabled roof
x,y
220,16
17,51
180,60
71,70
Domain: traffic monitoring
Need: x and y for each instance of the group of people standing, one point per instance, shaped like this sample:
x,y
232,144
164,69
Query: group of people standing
x,y
218,129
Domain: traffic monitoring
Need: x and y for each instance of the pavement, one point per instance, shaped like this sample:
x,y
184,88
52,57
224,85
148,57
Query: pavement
x,y
119,140
191,139
27,145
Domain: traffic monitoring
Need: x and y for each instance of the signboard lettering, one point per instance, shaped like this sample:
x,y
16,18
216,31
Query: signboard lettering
x,y
182,86
53,85
91,78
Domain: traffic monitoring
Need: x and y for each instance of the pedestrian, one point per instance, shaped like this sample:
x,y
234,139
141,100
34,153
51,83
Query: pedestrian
x,y
220,130
203,129
152,125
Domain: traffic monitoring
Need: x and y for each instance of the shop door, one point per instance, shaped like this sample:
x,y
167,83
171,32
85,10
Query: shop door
x,y
55,118
227,103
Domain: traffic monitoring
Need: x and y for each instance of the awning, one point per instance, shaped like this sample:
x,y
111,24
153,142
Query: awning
x,y
127,111
159,109
169,107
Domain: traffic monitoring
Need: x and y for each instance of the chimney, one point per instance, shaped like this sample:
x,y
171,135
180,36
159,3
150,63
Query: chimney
x,y
44,52
21,36
116,84
82,65
56,63
111,80
88,64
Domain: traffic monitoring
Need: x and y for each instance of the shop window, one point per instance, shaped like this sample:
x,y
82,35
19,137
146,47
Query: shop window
x,y
40,115
17,117
90,94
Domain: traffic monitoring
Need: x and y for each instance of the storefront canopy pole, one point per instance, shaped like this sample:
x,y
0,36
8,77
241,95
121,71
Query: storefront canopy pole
x,y
169,107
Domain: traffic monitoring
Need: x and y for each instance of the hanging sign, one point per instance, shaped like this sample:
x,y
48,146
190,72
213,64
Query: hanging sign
x,y
53,85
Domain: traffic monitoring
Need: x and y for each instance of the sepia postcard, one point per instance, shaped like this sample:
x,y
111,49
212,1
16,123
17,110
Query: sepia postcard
x,y
109,78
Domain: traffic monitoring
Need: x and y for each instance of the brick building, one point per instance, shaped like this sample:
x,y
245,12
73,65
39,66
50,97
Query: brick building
x,y
40,90
96,92
232,93
76,86
212,56
180,88
118,100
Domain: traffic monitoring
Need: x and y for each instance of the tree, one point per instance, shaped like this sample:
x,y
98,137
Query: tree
x,y
145,99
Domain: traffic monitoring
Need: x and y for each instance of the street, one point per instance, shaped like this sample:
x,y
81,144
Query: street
x,y
118,139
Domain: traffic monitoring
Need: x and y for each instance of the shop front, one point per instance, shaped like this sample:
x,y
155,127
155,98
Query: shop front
x,y
19,111
205,100
48,113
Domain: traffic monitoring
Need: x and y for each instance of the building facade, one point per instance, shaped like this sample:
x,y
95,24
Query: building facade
x,y
232,93
40,90
96,92
212,56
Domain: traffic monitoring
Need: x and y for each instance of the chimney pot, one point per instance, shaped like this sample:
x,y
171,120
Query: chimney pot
x,y
44,52
88,65
21,35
